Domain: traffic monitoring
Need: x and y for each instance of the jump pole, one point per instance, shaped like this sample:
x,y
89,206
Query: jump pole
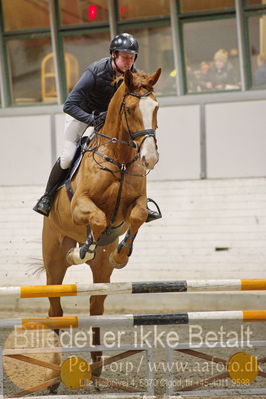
x,y
102,396
131,320
133,288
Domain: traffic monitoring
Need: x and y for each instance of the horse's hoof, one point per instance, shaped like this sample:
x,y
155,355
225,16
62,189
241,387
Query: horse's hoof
x,y
96,386
73,257
54,388
115,264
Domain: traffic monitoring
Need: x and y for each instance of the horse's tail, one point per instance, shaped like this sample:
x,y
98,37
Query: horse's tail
x,y
36,267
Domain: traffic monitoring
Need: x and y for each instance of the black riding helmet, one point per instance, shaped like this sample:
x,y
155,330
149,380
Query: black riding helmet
x,y
125,42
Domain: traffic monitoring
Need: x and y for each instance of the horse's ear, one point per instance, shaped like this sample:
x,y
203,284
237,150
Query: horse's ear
x,y
154,77
128,79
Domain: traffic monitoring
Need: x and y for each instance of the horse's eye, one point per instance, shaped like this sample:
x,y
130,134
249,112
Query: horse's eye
x,y
128,110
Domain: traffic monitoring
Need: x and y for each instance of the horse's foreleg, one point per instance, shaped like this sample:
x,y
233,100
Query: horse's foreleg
x,y
85,212
137,217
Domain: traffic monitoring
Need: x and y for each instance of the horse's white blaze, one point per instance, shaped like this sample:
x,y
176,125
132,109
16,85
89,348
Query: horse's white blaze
x,y
148,153
146,106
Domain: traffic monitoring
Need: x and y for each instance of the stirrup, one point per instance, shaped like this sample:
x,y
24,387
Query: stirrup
x,y
153,215
44,205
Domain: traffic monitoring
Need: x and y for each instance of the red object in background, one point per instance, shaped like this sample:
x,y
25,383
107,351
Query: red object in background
x,y
92,12
121,10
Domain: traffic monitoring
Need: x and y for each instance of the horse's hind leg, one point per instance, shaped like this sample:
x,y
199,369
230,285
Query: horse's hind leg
x,y
54,253
101,271
54,257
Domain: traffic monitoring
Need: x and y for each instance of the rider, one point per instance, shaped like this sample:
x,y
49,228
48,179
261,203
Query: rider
x,y
86,105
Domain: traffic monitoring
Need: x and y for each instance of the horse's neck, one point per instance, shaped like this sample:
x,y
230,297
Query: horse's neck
x,y
113,124
113,128
119,150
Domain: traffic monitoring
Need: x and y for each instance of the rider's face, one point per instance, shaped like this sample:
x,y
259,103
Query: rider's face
x,y
124,60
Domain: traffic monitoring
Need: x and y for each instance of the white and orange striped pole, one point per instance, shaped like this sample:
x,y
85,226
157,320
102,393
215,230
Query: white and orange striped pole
x,y
133,288
131,320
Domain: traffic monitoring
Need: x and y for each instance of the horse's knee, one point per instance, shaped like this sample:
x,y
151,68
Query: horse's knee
x,y
138,215
98,223
83,212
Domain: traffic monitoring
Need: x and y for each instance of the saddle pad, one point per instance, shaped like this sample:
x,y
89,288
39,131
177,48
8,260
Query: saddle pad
x,y
82,146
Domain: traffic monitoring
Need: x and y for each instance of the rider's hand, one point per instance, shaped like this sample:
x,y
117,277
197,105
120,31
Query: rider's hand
x,y
98,120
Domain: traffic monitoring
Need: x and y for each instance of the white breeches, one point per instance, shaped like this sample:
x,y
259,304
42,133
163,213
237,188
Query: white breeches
x,y
73,131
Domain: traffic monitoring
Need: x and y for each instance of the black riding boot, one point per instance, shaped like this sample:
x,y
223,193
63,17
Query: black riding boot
x,y
153,215
56,177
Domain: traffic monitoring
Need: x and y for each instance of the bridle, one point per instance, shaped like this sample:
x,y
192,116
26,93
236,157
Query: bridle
x,y
131,143
145,132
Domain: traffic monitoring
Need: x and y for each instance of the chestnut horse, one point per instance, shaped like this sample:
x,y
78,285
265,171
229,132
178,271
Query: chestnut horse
x,y
109,193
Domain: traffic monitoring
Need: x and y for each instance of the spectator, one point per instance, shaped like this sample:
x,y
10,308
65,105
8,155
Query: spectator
x,y
260,74
222,76
191,79
202,77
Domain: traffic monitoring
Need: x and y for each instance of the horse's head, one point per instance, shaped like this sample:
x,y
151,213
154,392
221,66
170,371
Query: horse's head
x,y
140,114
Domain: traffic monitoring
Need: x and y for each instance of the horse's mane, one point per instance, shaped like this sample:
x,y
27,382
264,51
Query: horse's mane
x,y
140,79
117,80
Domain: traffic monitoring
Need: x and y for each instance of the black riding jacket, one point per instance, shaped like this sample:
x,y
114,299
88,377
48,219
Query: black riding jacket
x,y
93,91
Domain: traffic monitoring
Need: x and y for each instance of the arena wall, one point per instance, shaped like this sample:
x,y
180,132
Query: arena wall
x,y
223,140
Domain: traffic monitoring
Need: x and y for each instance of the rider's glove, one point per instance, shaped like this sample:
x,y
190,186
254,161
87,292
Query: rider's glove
x,y
98,120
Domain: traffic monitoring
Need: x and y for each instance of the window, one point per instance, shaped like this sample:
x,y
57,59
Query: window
x,y
156,51
255,2
25,14
85,48
211,60
187,6
25,61
82,12
257,49
140,9
209,57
